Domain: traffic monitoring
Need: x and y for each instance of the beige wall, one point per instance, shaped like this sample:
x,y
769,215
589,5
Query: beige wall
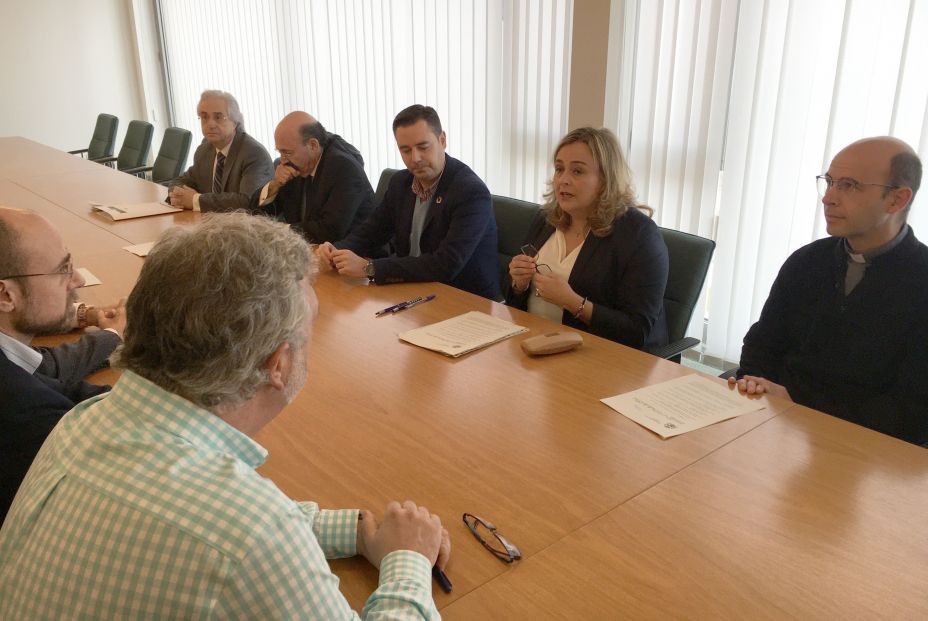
x,y
590,42
64,62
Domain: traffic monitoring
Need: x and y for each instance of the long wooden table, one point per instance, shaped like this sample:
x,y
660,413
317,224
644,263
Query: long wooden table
x,y
785,512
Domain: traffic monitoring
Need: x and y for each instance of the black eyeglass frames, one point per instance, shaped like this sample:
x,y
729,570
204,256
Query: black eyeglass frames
x,y
492,540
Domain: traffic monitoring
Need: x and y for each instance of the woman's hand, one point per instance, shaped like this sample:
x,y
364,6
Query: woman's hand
x,y
521,270
554,289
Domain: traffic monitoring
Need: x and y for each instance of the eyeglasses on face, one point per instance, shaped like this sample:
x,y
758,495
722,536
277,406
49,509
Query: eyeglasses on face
x,y
492,540
66,268
845,185
219,117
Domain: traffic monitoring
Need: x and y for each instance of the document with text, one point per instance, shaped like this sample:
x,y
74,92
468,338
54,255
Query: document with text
x,y
682,404
137,210
462,334
140,250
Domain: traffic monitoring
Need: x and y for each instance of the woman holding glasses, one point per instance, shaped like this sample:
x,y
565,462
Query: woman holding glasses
x,y
601,263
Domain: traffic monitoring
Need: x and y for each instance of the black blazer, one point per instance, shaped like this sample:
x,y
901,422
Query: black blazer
x,y
458,241
331,204
247,168
623,274
31,405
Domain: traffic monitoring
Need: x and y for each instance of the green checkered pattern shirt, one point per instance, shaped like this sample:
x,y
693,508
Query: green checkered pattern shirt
x,y
142,506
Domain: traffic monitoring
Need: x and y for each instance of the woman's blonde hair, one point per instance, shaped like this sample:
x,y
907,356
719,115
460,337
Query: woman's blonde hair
x,y
617,195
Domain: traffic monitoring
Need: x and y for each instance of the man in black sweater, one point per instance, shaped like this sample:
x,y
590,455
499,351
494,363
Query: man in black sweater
x,y
845,329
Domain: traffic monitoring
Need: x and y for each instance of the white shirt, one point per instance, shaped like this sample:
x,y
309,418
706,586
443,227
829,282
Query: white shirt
x,y
554,255
20,354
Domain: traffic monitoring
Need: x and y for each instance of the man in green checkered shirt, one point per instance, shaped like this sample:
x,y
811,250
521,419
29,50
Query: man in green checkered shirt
x,y
144,503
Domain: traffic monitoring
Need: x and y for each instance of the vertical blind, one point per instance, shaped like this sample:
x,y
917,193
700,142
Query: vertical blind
x,y
730,108
496,71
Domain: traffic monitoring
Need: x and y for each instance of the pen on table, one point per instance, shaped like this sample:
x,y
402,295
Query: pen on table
x,y
393,308
412,303
441,579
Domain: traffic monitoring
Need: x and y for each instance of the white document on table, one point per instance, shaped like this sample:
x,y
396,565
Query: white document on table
x,y
462,334
136,210
89,279
141,250
682,404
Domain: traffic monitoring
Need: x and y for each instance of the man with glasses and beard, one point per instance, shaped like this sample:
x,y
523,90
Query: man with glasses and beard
x,y
845,327
38,291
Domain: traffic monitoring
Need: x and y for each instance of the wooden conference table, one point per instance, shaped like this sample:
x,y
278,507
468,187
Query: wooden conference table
x,y
785,512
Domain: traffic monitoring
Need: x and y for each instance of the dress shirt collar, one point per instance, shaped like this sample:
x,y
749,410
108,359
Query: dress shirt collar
x,y
180,417
225,150
20,354
867,257
425,194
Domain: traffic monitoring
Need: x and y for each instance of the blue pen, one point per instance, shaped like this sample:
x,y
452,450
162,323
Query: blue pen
x,y
441,579
412,303
391,309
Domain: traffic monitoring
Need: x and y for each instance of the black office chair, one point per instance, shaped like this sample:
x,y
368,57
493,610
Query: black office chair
x,y
172,157
383,184
103,140
513,220
689,263
135,147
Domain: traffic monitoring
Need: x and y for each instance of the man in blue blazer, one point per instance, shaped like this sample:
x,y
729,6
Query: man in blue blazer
x,y
437,213
38,386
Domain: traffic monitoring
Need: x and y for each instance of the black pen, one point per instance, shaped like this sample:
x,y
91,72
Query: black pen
x,y
412,303
441,579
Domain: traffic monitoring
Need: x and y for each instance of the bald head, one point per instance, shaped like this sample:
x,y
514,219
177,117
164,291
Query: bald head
x,y
19,230
883,159
300,140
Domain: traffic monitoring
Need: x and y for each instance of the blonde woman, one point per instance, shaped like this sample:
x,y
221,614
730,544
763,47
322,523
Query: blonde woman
x,y
594,259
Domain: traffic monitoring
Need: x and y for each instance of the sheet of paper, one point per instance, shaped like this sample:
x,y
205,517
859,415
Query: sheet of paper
x,y
89,279
141,250
682,404
462,334
137,210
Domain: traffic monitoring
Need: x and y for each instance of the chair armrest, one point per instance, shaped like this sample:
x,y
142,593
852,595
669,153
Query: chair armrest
x,y
104,160
677,347
76,151
139,169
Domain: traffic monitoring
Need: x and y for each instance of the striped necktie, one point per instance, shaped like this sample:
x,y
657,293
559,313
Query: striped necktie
x,y
217,176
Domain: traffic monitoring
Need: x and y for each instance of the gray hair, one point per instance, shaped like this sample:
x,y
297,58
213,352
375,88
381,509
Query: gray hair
x,y
905,171
231,105
212,303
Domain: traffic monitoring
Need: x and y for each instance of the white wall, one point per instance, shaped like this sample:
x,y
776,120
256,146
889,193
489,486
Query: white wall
x,y
62,62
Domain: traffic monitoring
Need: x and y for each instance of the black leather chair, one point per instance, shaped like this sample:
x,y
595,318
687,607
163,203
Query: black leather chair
x,y
513,219
382,185
172,157
135,147
103,140
689,263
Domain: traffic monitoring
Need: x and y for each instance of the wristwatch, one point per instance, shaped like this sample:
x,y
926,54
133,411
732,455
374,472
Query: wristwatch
x,y
369,270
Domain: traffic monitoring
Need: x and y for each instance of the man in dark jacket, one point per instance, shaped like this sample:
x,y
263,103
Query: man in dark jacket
x,y
438,214
38,386
319,186
845,327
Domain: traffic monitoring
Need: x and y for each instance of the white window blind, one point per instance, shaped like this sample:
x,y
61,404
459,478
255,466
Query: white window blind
x,y
729,109
497,72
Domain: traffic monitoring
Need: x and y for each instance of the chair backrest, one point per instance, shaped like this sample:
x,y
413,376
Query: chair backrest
x,y
689,263
104,137
135,146
513,220
172,156
383,184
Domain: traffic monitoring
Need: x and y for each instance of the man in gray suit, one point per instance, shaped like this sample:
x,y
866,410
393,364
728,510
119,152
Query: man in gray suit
x,y
228,166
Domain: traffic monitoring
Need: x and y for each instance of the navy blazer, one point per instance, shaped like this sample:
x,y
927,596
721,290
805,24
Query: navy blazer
x,y
458,241
623,274
329,205
32,404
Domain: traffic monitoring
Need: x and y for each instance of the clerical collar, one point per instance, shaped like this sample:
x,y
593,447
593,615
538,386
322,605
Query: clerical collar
x,y
422,192
867,257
